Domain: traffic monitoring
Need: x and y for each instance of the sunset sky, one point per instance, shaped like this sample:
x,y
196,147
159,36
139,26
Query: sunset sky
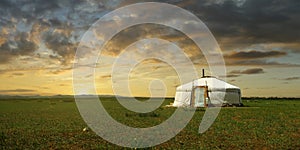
x,y
259,40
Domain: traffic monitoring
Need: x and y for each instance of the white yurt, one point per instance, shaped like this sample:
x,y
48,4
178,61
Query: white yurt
x,y
207,91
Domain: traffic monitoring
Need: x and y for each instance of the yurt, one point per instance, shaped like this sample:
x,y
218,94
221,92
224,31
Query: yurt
x,y
207,91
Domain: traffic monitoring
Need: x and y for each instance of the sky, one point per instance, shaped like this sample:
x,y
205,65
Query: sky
x,y
259,40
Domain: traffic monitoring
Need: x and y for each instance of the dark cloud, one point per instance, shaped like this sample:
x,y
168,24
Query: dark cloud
x,y
57,18
248,71
259,63
255,21
63,48
17,74
291,78
2,72
232,80
19,46
55,22
254,54
239,25
88,76
11,71
138,32
256,58
5,3
43,6
232,75
59,70
105,76
17,91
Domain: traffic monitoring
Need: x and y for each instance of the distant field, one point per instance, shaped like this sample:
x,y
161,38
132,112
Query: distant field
x,y
55,123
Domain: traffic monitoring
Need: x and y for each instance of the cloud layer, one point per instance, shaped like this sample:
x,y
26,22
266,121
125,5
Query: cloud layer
x,y
58,26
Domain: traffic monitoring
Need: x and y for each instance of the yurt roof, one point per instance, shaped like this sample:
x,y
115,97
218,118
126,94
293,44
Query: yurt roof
x,y
211,82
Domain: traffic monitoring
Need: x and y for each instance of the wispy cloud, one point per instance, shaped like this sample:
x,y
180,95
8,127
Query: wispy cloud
x,y
291,78
105,76
17,74
232,75
248,71
262,62
238,73
254,54
17,91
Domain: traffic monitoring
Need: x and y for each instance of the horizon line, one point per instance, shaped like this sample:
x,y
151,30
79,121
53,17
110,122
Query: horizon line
x,y
107,95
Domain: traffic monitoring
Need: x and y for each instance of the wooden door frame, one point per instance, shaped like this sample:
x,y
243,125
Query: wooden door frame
x,y
205,95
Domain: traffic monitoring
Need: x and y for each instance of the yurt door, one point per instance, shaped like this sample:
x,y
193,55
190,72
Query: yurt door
x,y
199,96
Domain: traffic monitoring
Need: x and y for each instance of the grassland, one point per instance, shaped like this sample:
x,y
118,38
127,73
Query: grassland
x,y
55,123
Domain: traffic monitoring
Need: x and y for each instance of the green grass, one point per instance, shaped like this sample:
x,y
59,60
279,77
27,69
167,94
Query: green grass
x,y
56,124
